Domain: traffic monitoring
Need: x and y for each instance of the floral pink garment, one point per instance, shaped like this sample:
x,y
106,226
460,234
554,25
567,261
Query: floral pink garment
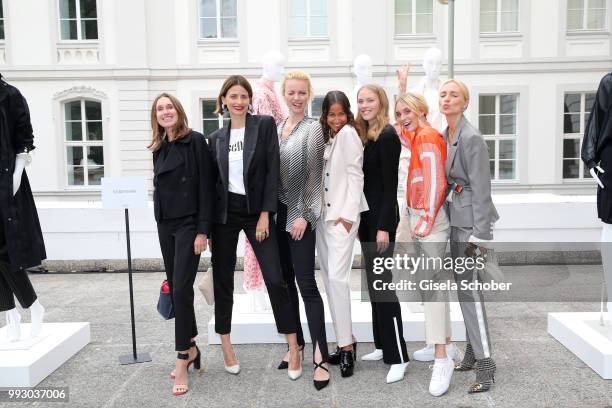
x,y
265,102
252,278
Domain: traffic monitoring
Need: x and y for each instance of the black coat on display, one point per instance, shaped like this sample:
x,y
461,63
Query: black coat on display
x,y
597,145
261,165
24,237
184,182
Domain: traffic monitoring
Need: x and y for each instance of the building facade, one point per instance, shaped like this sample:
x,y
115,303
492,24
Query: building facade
x,y
90,69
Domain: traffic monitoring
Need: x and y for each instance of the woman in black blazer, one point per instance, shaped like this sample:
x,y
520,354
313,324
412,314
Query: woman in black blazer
x,y
183,201
246,156
379,223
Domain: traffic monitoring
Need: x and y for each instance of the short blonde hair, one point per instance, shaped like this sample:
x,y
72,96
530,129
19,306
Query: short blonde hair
x,y
463,89
416,102
296,74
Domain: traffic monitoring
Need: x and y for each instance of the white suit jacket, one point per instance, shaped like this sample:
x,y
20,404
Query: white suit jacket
x,y
343,195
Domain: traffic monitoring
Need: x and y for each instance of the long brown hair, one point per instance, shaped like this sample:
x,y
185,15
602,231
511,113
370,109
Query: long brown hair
x,y
181,128
367,133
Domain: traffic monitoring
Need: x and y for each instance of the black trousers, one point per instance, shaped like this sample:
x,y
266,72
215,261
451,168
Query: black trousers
x,y
225,242
387,325
14,283
176,239
298,263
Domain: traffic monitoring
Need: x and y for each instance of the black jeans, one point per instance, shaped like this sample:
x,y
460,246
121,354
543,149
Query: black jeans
x,y
14,283
176,239
387,325
225,242
298,262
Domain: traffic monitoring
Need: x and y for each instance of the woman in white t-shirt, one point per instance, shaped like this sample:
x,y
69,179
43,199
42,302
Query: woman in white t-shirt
x,y
246,157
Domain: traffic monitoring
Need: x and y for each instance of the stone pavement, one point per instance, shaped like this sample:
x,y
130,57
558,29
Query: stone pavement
x,y
534,370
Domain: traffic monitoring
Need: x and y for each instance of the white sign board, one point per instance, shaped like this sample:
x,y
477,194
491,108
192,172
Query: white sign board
x,y
124,192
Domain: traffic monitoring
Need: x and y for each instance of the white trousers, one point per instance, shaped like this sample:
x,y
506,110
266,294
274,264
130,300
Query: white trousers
x,y
335,250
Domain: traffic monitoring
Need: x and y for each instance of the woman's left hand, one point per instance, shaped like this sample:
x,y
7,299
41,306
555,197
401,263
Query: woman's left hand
x,y
199,245
382,241
298,228
262,230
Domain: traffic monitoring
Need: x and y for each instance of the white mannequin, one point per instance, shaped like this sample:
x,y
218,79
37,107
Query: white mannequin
x,y
362,69
37,311
606,249
273,66
428,86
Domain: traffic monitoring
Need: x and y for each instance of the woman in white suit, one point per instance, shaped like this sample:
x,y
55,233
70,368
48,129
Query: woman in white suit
x,y
342,202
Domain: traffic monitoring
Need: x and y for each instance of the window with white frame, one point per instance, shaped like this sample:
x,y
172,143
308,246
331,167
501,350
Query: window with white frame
x,y
210,120
497,121
84,142
413,17
1,21
576,109
78,20
218,19
307,18
586,15
499,16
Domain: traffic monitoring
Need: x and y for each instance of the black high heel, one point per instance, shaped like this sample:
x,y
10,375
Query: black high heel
x,y
285,364
318,384
196,361
485,376
334,357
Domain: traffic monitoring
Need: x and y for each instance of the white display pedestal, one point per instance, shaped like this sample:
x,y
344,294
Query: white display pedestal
x,y
26,363
254,328
583,335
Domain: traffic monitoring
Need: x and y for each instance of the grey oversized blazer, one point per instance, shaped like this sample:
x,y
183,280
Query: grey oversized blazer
x,y
467,165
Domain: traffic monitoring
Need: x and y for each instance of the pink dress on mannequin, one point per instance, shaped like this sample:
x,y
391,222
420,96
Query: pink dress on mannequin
x,y
265,102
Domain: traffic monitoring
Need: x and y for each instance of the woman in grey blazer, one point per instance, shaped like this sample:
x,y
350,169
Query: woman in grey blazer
x,y
472,215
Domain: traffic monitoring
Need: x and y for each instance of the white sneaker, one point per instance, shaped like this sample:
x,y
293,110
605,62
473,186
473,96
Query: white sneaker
x,y
373,356
427,352
396,372
441,376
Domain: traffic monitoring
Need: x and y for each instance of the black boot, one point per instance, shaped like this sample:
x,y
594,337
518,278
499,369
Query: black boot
x,y
347,362
468,361
334,358
485,375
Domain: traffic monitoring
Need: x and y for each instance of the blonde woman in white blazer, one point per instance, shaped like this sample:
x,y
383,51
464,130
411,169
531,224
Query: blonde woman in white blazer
x,y
342,203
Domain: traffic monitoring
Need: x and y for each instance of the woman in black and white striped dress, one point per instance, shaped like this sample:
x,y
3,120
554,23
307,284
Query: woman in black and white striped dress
x,y
298,209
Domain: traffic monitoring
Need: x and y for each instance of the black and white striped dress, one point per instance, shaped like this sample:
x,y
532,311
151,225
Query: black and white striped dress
x,y
301,167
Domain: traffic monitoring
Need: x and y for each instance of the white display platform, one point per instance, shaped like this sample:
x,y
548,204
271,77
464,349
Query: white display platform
x,y
28,362
583,335
253,328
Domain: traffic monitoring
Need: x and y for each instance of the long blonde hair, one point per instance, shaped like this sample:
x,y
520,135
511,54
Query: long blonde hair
x,y
367,133
180,129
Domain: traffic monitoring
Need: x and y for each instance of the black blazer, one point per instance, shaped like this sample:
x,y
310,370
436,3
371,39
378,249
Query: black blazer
x,y
380,163
261,165
184,182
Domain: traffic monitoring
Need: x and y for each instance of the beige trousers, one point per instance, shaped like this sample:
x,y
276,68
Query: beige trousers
x,y
437,313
